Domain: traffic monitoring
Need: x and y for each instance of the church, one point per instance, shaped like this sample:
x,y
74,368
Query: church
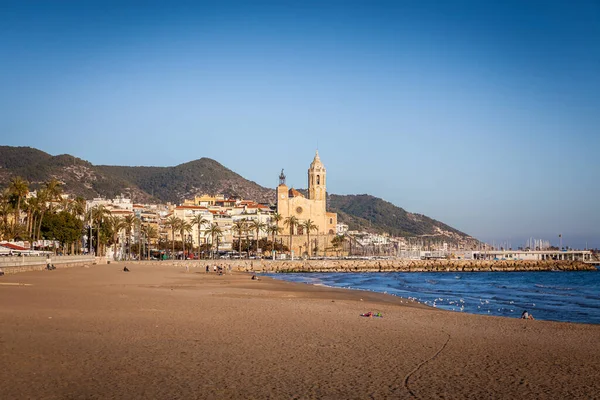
x,y
291,202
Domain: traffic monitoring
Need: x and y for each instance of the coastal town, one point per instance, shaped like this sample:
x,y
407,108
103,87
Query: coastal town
x,y
210,226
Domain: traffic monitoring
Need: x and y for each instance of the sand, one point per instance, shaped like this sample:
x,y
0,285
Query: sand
x,y
161,333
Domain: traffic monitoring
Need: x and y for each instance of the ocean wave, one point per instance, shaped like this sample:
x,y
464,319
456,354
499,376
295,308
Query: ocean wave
x,y
552,287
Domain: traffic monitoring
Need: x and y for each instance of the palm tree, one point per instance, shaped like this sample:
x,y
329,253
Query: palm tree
x,y
42,199
173,223
214,230
309,225
151,233
115,224
19,188
53,190
240,227
184,227
199,220
276,217
130,221
274,230
257,226
5,211
291,222
99,214
78,211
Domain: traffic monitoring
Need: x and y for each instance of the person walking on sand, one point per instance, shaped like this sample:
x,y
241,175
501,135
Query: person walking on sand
x,y
207,269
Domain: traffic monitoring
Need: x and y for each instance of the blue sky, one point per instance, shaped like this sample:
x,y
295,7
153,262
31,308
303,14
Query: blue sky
x,y
484,115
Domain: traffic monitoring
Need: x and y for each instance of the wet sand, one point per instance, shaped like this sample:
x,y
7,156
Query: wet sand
x,y
159,332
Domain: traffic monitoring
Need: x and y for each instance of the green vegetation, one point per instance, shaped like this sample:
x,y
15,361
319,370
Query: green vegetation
x,y
370,213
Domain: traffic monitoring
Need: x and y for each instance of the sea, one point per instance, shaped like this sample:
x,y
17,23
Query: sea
x,y
552,296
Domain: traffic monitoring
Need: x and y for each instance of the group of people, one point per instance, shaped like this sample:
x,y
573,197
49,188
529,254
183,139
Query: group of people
x,y
49,265
217,269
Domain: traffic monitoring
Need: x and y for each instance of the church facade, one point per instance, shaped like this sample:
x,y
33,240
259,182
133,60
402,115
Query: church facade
x,y
291,202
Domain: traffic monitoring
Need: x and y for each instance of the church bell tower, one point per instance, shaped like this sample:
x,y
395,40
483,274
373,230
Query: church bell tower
x,y
316,179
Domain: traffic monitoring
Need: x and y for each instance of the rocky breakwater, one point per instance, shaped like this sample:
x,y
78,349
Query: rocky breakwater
x,y
399,265
421,266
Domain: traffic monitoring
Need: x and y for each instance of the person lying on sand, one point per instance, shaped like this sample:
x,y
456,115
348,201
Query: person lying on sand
x,y
125,269
255,278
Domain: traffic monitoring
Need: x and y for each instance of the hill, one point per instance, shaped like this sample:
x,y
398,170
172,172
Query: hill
x,y
366,212
186,180
173,184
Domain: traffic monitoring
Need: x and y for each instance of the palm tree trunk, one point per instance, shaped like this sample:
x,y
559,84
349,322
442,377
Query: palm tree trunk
x,y
98,240
40,225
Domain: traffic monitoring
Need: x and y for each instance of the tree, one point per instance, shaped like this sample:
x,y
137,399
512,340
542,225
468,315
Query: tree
x,y
53,191
257,226
274,230
214,231
98,215
19,188
151,233
184,227
338,243
173,223
129,222
42,198
241,228
62,226
309,225
115,225
291,222
275,218
199,220
5,211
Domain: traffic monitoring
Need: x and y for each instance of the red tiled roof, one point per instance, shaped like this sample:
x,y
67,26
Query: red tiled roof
x,y
294,193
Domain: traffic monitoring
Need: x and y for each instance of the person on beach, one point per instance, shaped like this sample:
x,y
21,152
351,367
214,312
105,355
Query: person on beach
x,y
207,269
214,268
1,272
125,269
526,315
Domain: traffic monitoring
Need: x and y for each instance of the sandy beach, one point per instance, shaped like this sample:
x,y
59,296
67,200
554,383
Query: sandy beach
x,y
164,333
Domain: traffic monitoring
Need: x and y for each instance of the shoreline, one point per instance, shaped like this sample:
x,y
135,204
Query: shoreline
x,y
414,299
98,332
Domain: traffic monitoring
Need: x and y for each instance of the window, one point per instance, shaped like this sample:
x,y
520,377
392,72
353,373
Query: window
x,y
331,220
318,179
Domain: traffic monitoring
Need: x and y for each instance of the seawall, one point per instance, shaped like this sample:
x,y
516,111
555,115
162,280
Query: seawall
x,y
13,265
399,265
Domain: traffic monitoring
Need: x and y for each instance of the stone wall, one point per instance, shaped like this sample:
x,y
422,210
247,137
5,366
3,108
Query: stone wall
x,y
13,265
283,266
